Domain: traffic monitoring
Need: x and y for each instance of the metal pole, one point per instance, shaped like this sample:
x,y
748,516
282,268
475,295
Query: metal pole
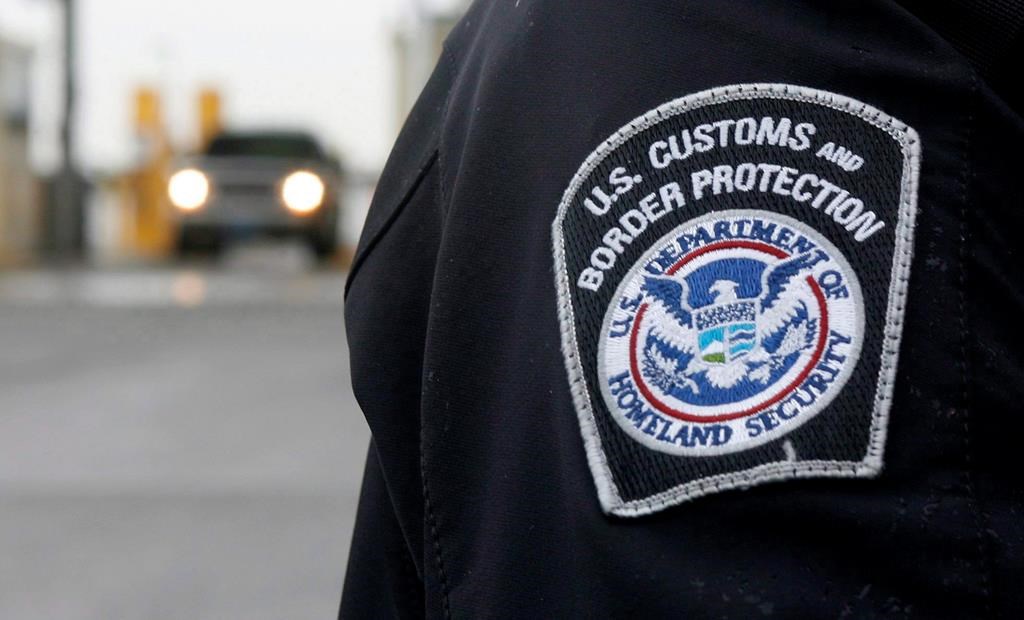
x,y
66,212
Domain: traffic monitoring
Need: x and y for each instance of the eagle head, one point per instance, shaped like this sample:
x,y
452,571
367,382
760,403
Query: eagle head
x,y
724,290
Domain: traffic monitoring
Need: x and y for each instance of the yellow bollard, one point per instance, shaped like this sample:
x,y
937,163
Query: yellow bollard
x,y
209,116
151,223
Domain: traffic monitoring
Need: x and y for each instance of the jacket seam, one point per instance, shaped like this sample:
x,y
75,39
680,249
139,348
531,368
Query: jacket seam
x,y
444,196
435,540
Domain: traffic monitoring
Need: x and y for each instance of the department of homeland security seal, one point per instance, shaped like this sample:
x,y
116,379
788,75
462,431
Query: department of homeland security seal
x,y
730,331
732,271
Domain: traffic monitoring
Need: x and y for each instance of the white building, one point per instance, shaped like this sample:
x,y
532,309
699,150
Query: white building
x,y
419,34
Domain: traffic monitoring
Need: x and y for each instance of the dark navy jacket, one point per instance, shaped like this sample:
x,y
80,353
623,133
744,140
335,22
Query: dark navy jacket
x,y
478,501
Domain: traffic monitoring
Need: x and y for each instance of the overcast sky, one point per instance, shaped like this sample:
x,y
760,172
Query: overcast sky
x,y
326,65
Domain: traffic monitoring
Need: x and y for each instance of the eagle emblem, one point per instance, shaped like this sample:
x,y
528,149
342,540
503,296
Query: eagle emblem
x,y
734,345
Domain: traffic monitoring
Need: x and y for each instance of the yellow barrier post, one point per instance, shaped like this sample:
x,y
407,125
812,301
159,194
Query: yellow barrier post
x,y
209,116
151,229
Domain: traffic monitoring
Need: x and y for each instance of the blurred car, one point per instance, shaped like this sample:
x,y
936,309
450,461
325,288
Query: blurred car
x,y
257,183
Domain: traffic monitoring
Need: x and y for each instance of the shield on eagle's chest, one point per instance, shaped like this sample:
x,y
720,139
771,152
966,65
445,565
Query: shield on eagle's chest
x,y
726,332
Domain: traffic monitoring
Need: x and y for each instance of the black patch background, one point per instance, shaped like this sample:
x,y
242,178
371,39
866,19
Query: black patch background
x,y
840,432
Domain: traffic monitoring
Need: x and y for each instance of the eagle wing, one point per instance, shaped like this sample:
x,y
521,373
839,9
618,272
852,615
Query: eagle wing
x,y
779,304
780,275
675,323
669,294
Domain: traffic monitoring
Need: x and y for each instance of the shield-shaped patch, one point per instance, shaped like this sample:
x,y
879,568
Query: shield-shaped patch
x,y
732,270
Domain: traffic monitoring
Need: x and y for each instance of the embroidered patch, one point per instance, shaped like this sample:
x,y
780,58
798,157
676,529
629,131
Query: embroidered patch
x,y
732,270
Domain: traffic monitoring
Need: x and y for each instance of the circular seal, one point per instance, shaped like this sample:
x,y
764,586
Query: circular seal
x,y
732,330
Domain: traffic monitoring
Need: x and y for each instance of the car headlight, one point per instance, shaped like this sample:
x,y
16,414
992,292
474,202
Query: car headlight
x,y
302,192
188,189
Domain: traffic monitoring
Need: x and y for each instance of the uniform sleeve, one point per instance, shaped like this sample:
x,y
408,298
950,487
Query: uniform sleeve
x,y
699,309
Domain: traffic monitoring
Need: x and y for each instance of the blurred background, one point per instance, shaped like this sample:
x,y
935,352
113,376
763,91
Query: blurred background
x,y
181,188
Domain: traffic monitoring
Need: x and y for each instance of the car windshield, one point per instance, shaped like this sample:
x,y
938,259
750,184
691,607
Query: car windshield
x,y
287,146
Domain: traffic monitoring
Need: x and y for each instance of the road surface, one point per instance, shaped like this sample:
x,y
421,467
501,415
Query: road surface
x,y
175,443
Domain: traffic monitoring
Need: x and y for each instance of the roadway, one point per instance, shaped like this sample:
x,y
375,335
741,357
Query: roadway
x,y
176,442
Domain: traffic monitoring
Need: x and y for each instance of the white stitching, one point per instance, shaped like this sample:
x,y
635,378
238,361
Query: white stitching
x,y
871,465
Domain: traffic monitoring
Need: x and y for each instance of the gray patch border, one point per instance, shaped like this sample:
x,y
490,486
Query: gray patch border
x,y
872,463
